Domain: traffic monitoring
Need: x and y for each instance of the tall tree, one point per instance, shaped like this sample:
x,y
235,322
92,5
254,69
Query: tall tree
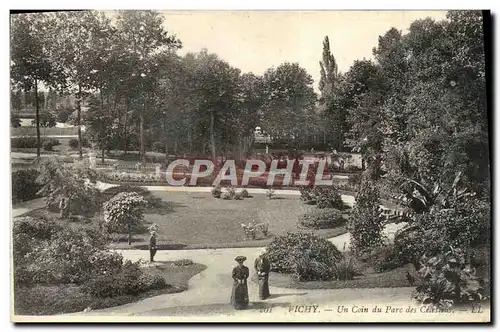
x,y
144,36
289,99
31,61
79,36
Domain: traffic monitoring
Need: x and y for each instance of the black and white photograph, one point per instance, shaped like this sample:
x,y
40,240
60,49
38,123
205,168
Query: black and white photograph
x,y
250,166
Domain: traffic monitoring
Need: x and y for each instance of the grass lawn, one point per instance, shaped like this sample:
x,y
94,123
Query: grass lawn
x,y
59,299
197,220
368,279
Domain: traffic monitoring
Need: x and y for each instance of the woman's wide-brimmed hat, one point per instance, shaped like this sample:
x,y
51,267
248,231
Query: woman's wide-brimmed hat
x,y
240,259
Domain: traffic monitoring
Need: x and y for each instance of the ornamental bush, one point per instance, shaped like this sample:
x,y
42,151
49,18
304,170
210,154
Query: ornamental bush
x,y
24,185
31,142
447,279
125,211
216,191
73,143
59,255
322,218
58,181
466,224
305,255
127,280
328,197
366,221
48,146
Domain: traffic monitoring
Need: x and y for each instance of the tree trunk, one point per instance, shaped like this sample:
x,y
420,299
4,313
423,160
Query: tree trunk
x,y
102,155
129,235
212,134
38,141
141,137
79,120
125,145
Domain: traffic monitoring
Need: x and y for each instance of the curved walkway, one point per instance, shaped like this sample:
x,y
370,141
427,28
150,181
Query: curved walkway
x,y
209,291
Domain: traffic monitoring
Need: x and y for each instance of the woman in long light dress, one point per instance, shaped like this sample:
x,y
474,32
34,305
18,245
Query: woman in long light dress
x,y
262,267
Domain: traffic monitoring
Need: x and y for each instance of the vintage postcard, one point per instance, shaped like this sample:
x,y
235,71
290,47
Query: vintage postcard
x,y
250,166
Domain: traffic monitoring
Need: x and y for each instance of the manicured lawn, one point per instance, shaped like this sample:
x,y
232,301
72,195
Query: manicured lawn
x,y
59,299
368,279
197,220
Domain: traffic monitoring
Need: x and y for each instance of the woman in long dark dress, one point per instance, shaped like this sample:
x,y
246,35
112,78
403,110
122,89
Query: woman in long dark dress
x,y
239,295
263,266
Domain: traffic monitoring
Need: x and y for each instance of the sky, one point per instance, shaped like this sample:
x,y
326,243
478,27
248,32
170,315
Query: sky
x,y
254,41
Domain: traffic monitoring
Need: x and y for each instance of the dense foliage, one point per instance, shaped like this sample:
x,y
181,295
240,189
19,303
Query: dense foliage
x,y
24,186
446,279
74,183
306,256
366,221
47,254
125,211
322,218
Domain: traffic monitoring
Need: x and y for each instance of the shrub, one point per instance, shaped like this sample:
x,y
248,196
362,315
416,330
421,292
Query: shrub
x,y
328,197
231,191
446,279
73,143
47,146
250,230
69,256
128,280
183,262
466,225
345,268
354,180
23,142
383,258
158,147
322,218
60,181
31,142
306,270
24,186
270,193
149,282
307,195
125,210
216,192
264,228
112,191
244,193
226,196
366,222
307,256
27,232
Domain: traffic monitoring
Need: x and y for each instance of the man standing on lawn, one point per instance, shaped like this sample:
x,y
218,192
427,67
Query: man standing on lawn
x,y
152,246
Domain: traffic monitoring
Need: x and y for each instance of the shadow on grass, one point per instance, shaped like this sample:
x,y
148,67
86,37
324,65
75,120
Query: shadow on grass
x,y
163,208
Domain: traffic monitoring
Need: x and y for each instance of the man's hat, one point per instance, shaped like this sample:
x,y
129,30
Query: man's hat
x,y
240,259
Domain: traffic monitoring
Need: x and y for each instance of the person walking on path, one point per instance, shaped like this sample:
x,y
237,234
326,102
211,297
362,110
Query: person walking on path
x,y
263,266
239,294
152,246
63,207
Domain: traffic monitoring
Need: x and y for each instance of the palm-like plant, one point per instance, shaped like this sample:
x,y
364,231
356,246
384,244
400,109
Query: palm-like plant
x,y
421,198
